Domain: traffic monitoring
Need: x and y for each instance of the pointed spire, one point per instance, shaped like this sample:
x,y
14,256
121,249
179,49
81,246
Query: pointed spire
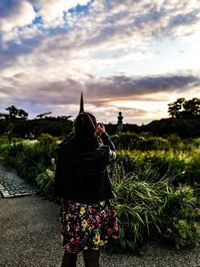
x,y
81,104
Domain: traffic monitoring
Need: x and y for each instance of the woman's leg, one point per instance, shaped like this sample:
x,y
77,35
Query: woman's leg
x,y
69,259
91,257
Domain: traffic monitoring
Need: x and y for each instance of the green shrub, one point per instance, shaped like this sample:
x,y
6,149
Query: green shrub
x,y
169,164
153,143
46,138
45,181
179,167
192,172
3,148
30,159
3,139
127,140
132,141
180,218
196,142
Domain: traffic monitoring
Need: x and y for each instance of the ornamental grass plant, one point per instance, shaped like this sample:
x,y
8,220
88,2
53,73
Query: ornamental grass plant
x,y
157,211
139,207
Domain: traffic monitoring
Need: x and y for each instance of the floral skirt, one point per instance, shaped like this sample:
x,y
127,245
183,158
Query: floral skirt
x,y
87,226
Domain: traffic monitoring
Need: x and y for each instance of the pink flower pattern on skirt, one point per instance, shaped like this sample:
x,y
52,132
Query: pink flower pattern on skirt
x,y
87,226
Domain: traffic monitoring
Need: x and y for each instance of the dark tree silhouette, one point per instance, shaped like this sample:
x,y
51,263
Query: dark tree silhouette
x,y
174,109
16,113
12,112
192,108
22,114
184,109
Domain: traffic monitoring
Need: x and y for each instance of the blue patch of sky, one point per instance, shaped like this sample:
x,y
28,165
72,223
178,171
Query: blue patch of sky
x,y
37,21
4,8
81,8
26,46
7,3
54,31
184,19
48,30
148,17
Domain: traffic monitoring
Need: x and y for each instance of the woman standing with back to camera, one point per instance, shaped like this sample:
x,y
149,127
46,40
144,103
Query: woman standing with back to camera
x,y
88,217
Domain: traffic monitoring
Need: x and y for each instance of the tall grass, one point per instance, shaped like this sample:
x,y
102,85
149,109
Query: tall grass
x,y
180,167
157,211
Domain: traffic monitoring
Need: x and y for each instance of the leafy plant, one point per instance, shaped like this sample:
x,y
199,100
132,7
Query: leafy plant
x,y
179,167
45,180
181,218
46,138
30,159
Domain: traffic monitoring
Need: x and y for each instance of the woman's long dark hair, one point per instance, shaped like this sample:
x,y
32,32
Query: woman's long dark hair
x,y
85,125
84,129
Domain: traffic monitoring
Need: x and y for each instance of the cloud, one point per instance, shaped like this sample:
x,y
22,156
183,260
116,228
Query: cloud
x,y
13,50
98,92
16,14
108,20
140,23
125,87
51,10
51,50
109,33
62,98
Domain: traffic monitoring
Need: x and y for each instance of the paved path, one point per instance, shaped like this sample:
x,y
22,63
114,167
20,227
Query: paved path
x,y
29,237
11,185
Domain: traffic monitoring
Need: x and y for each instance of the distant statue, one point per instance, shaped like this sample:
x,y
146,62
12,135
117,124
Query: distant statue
x,y
119,124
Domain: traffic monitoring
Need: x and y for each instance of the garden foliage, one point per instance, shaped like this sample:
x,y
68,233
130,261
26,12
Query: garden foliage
x,y
30,159
157,190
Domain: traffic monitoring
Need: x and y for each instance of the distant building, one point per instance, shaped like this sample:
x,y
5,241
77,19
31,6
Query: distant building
x,y
119,124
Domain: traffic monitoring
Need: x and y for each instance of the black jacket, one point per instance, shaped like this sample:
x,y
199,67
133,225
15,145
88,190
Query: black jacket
x,y
81,169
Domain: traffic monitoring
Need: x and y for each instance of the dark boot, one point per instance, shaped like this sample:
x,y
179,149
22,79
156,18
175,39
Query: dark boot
x,y
69,259
91,257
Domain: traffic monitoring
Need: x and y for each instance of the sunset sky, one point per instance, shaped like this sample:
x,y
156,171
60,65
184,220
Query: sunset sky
x,y
130,56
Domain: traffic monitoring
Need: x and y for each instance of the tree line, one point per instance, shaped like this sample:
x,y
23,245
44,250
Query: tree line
x,y
184,121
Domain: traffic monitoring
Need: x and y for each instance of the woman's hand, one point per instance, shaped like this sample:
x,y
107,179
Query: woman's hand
x,y
100,129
